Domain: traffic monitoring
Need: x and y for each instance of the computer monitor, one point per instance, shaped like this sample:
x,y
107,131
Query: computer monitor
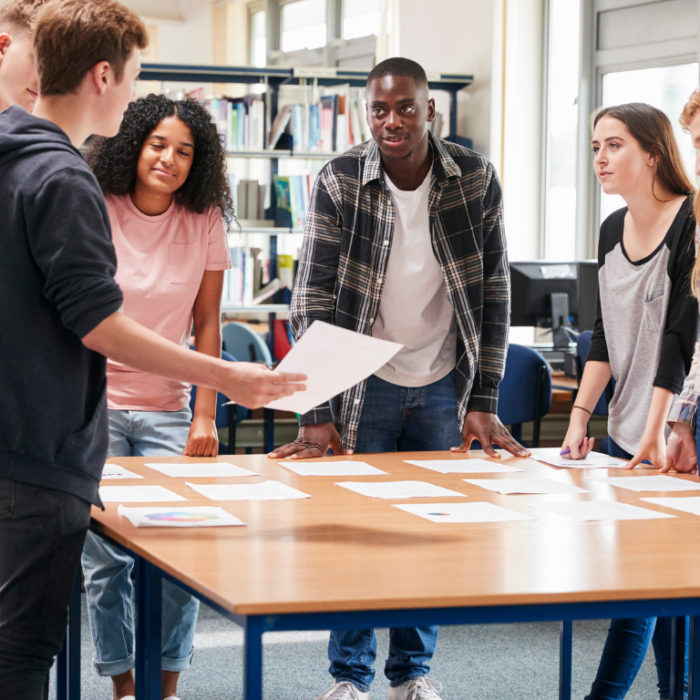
x,y
554,295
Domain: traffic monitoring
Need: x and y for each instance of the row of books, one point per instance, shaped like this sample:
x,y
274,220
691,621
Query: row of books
x,y
251,281
249,200
240,120
333,124
292,193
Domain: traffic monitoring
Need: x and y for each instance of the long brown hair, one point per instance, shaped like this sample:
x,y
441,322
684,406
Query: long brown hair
x,y
691,108
653,130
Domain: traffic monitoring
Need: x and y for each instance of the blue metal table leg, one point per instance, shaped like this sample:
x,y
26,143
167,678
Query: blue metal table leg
x,y
68,661
269,429
679,630
694,660
148,631
253,660
565,654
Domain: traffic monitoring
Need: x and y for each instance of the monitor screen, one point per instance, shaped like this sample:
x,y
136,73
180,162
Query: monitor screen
x,y
533,282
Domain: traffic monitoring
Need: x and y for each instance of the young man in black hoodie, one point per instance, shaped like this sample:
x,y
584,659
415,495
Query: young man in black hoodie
x,y
59,316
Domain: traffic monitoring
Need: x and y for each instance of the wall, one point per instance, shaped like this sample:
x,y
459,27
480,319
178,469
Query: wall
x,y
190,41
457,39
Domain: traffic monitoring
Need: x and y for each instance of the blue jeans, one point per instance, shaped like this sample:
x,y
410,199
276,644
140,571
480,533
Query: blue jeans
x,y
404,419
627,644
108,569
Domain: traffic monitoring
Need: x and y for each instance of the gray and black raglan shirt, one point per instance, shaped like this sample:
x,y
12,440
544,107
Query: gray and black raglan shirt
x,y
646,321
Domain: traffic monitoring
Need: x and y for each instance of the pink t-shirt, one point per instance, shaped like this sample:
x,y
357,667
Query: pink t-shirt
x,y
160,264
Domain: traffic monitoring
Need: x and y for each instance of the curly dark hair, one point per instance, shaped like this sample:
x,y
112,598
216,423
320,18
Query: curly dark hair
x,y
114,160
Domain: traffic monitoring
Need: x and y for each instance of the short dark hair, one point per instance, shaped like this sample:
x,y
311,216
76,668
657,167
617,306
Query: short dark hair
x,y
114,161
404,67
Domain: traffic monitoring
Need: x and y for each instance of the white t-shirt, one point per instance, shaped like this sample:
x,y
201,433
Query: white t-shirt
x,y
415,309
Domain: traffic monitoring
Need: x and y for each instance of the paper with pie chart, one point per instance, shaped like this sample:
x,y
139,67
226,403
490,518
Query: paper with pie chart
x,y
189,516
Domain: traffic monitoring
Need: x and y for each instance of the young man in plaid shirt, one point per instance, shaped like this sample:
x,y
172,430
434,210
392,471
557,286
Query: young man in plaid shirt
x,y
404,241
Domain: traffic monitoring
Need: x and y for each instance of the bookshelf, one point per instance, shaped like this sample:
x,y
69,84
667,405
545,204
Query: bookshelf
x,y
274,79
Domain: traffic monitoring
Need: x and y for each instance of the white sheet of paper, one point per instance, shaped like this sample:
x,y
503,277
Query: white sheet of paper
x,y
510,486
689,504
479,512
265,491
189,516
114,471
200,471
332,468
334,359
662,482
398,489
595,460
462,466
600,510
138,494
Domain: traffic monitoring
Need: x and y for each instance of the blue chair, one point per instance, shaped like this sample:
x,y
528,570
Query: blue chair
x,y
226,416
525,393
245,344
248,346
583,345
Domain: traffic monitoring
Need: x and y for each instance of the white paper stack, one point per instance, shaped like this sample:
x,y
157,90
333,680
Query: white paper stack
x,y
480,512
189,516
114,471
200,471
595,460
660,482
332,468
511,486
137,494
265,491
600,510
462,466
689,504
398,489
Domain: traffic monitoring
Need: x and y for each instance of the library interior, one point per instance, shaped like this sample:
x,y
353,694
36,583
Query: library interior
x,y
213,212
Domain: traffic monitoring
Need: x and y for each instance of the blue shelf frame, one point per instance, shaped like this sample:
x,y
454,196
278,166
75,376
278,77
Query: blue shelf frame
x,y
149,578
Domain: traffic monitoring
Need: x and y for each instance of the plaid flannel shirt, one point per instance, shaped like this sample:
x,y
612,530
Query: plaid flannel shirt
x,y
685,407
347,242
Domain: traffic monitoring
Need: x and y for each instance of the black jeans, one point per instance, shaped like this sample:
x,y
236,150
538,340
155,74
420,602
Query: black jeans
x,y
41,538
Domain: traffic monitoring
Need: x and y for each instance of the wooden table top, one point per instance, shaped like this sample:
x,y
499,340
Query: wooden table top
x,y
342,551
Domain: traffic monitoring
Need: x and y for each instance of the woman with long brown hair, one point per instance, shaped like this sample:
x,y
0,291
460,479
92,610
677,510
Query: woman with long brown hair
x,y
644,332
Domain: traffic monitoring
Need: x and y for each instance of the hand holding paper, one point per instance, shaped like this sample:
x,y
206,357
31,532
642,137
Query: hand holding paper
x,y
333,359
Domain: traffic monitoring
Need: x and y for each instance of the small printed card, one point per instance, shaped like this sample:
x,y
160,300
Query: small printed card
x,y
188,516
114,471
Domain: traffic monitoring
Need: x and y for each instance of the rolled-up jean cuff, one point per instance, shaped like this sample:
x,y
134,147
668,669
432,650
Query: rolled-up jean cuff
x,y
115,668
176,665
409,677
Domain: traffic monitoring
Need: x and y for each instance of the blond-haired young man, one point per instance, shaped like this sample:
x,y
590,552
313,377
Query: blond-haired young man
x,y
60,315
18,81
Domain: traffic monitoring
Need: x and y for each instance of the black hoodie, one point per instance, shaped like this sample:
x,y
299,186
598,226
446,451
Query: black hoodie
x,y
57,266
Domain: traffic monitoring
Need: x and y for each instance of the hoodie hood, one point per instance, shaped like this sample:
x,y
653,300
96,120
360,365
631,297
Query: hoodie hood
x,y
22,135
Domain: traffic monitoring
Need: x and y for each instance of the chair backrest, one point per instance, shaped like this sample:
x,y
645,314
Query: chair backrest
x,y
583,345
245,344
526,377
221,409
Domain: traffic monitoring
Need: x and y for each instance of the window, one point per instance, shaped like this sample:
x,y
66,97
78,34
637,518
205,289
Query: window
x,y
667,88
360,18
303,25
258,44
561,137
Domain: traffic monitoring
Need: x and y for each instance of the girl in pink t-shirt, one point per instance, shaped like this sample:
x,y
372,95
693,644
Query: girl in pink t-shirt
x,y
164,179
